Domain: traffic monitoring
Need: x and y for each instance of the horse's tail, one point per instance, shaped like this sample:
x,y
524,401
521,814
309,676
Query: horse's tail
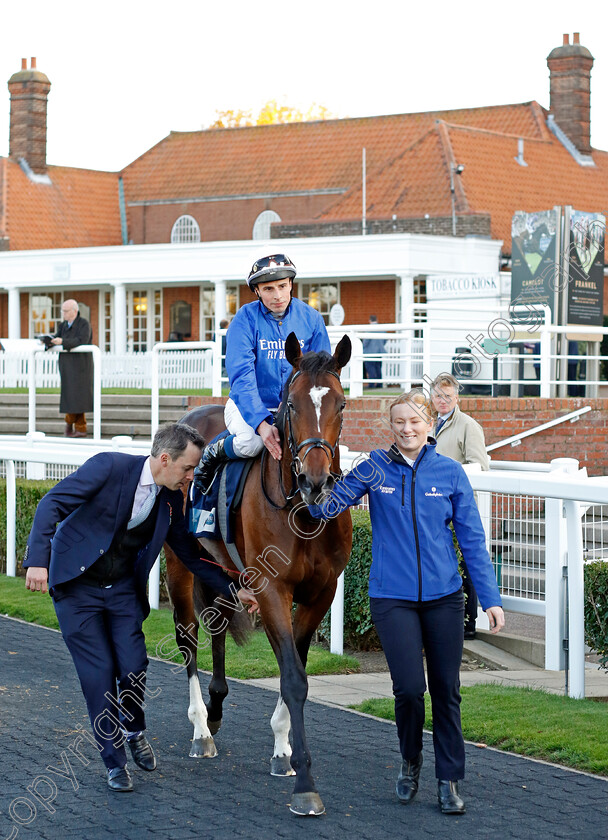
x,y
239,621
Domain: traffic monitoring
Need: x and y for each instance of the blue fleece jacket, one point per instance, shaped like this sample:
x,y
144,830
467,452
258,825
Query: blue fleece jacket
x,y
255,354
413,555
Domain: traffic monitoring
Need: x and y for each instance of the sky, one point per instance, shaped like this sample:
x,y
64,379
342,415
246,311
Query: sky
x,y
125,74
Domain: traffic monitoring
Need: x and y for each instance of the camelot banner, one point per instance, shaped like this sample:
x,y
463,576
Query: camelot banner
x,y
535,257
586,268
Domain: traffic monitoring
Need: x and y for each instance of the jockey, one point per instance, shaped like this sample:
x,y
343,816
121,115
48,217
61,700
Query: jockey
x,y
256,363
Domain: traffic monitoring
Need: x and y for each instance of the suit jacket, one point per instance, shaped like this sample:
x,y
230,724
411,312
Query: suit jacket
x,y
94,503
461,438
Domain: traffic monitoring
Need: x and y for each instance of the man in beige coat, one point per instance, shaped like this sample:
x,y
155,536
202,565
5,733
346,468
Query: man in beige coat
x,y
461,438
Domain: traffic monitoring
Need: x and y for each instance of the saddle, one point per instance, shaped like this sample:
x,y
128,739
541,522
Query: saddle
x,y
204,511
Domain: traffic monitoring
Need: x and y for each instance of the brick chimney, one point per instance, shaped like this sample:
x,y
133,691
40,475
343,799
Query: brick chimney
x,y
27,139
570,90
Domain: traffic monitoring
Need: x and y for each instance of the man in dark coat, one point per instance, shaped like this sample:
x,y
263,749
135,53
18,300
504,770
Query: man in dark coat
x,y
114,514
75,370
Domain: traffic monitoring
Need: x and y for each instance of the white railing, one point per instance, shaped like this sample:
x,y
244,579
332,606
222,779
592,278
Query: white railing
x,y
515,440
190,370
183,367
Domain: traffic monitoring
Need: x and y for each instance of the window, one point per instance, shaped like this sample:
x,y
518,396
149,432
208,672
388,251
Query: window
x,y
105,321
45,312
180,320
321,296
261,228
208,309
185,229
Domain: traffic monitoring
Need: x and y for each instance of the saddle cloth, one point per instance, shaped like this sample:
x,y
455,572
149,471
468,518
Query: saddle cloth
x,y
202,512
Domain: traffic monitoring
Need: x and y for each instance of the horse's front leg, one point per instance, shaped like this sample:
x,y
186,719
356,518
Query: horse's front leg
x,y
276,614
280,764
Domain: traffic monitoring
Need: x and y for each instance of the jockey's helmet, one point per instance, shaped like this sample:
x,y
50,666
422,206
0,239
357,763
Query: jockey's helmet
x,y
275,267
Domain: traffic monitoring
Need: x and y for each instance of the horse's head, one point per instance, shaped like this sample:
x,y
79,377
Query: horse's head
x,y
312,414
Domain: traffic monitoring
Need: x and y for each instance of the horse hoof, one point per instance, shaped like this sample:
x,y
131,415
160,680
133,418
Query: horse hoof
x,y
281,766
307,804
214,726
203,748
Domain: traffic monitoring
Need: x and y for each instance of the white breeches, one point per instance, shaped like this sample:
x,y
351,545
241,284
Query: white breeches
x,y
247,443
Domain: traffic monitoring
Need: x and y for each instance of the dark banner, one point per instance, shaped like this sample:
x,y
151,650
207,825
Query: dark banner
x,y
586,269
534,257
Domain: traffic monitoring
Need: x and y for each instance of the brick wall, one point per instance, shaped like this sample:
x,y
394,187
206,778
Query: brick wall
x,y
218,220
365,427
466,224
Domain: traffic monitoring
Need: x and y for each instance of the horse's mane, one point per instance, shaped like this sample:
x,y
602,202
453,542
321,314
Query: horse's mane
x,y
313,364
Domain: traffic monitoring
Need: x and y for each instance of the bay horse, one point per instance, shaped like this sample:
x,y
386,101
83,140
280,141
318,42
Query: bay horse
x,y
289,557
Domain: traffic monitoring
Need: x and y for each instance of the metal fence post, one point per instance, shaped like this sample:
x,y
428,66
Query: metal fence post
x,y
556,552
576,600
336,634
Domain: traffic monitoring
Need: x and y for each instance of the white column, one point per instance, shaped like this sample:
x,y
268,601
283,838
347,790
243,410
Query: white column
x,y
406,299
14,314
406,295
220,302
120,318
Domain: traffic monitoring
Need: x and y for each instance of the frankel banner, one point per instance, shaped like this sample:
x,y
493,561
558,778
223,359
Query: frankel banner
x,y
585,294
535,258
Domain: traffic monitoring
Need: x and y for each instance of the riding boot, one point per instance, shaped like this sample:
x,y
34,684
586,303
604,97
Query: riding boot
x,y
214,455
407,781
69,430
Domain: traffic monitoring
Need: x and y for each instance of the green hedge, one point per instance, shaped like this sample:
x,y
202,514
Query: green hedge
x,y
29,494
359,632
596,609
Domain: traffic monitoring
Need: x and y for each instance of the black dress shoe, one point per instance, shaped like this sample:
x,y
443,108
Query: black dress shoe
x,y
407,781
142,752
447,795
470,634
119,780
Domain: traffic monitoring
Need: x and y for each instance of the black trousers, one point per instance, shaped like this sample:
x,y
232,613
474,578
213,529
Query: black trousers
x,y
406,628
102,629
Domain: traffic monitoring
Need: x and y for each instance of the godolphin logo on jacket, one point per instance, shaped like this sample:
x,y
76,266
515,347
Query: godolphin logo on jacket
x,y
434,492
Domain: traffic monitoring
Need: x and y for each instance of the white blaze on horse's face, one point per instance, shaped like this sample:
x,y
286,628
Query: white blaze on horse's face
x,y
316,395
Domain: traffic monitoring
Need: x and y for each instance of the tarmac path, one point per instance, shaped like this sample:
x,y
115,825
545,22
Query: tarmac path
x,y
355,763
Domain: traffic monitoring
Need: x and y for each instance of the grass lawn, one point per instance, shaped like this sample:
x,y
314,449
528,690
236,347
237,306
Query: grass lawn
x,y
255,659
528,722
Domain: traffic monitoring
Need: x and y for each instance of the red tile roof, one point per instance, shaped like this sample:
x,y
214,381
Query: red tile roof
x,y
79,208
314,156
417,181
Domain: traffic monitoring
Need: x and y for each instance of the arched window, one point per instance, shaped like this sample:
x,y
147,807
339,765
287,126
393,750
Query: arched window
x,y
261,227
185,229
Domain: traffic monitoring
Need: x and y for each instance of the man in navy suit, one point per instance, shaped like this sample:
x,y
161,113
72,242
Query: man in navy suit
x,y
114,514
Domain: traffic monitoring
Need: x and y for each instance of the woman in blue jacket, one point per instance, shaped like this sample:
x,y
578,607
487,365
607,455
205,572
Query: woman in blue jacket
x,y
415,587
256,363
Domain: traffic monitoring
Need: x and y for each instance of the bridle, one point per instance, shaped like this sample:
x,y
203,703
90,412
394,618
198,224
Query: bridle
x,y
295,448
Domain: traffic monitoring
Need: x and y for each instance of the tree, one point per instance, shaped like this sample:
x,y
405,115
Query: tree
x,y
272,113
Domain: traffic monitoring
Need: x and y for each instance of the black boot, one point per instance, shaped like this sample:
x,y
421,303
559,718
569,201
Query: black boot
x,y
213,456
447,795
407,781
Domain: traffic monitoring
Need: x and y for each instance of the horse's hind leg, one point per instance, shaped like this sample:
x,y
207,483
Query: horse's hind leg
x,y
218,687
180,582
